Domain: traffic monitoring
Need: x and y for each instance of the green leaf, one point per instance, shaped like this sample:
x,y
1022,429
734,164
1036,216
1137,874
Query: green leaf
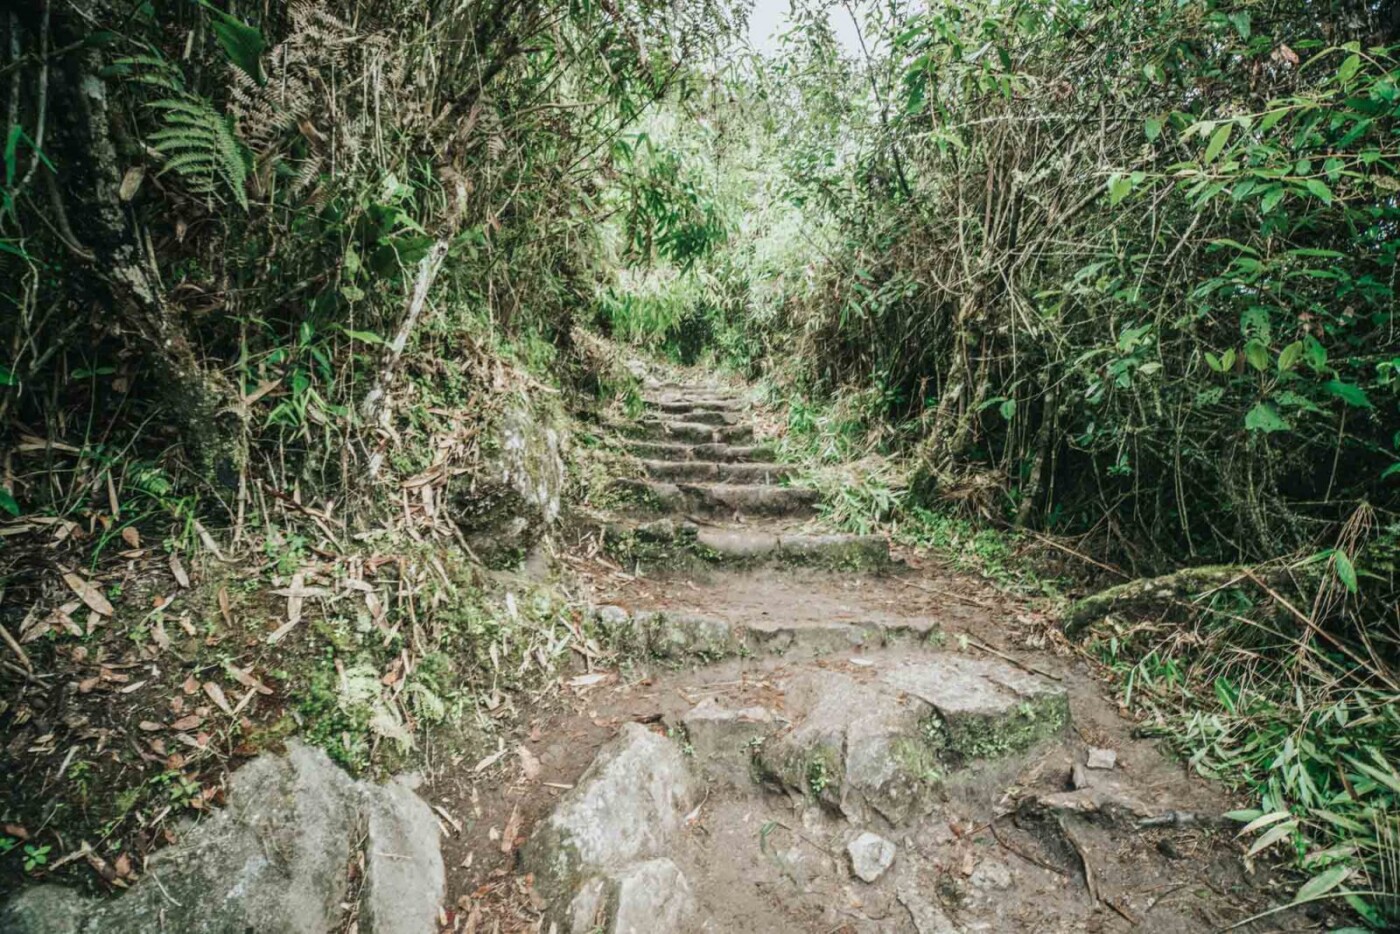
x,y
8,503
1152,126
1008,409
1213,362
1278,833
242,43
1265,418
1316,353
7,376
1271,199
1350,66
1288,359
1350,393
1346,571
1240,20
1391,471
1217,142
1319,190
1321,884
1119,187
1256,354
368,337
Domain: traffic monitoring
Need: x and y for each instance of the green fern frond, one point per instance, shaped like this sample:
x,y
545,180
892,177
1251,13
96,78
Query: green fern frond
x,y
200,146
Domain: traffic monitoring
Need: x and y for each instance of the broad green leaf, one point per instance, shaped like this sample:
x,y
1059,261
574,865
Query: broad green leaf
x,y
1008,409
1319,190
1280,832
1350,393
1152,126
242,43
1322,883
1257,355
1213,362
8,503
1217,142
1316,353
1350,66
368,337
1271,199
1391,471
1346,571
1265,418
1119,187
1289,357
7,376
1262,821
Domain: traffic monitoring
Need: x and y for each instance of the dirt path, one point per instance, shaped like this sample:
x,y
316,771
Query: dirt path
x,y
840,716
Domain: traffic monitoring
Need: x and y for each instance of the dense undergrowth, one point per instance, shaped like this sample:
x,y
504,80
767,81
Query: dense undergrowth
x,y
1117,281
1107,279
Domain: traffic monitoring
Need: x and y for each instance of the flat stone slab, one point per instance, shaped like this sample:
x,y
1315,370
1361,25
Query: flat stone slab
x,y
883,740
673,429
274,860
626,808
710,451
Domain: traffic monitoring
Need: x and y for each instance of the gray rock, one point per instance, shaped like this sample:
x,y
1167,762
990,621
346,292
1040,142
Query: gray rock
x,y
515,498
928,916
274,861
626,808
653,897
884,742
724,740
986,708
854,746
686,635
1101,758
871,855
404,874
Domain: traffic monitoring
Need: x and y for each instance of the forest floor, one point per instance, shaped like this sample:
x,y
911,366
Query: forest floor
x,y
1035,835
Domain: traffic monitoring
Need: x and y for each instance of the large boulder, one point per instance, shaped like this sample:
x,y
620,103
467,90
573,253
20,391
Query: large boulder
x,y
275,860
504,508
595,856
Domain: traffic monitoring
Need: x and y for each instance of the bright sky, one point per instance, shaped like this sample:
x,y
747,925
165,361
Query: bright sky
x,y
770,18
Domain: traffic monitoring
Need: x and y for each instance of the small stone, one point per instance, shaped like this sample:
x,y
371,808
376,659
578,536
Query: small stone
x,y
1077,777
871,854
1102,758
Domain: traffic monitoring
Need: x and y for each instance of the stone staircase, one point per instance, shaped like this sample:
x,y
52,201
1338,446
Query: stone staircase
x,y
720,498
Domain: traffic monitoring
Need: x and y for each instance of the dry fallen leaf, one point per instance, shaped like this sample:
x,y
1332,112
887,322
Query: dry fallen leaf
x,y
89,594
131,536
151,726
529,764
216,694
512,829
187,723
178,569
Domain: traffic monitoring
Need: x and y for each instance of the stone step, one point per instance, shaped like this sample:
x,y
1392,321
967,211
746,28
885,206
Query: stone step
x,y
677,471
710,451
883,740
719,499
692,637
680,406
655,429
704,416
670,545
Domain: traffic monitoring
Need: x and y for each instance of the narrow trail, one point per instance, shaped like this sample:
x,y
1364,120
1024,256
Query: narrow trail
x,y
812,737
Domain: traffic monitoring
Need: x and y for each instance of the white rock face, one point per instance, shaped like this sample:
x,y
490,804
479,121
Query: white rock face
x,y
871,854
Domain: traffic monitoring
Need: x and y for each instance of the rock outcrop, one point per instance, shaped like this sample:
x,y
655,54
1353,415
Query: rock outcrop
x,y
276,860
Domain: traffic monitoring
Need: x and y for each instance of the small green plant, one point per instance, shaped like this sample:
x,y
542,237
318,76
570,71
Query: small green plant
x,y
36,857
